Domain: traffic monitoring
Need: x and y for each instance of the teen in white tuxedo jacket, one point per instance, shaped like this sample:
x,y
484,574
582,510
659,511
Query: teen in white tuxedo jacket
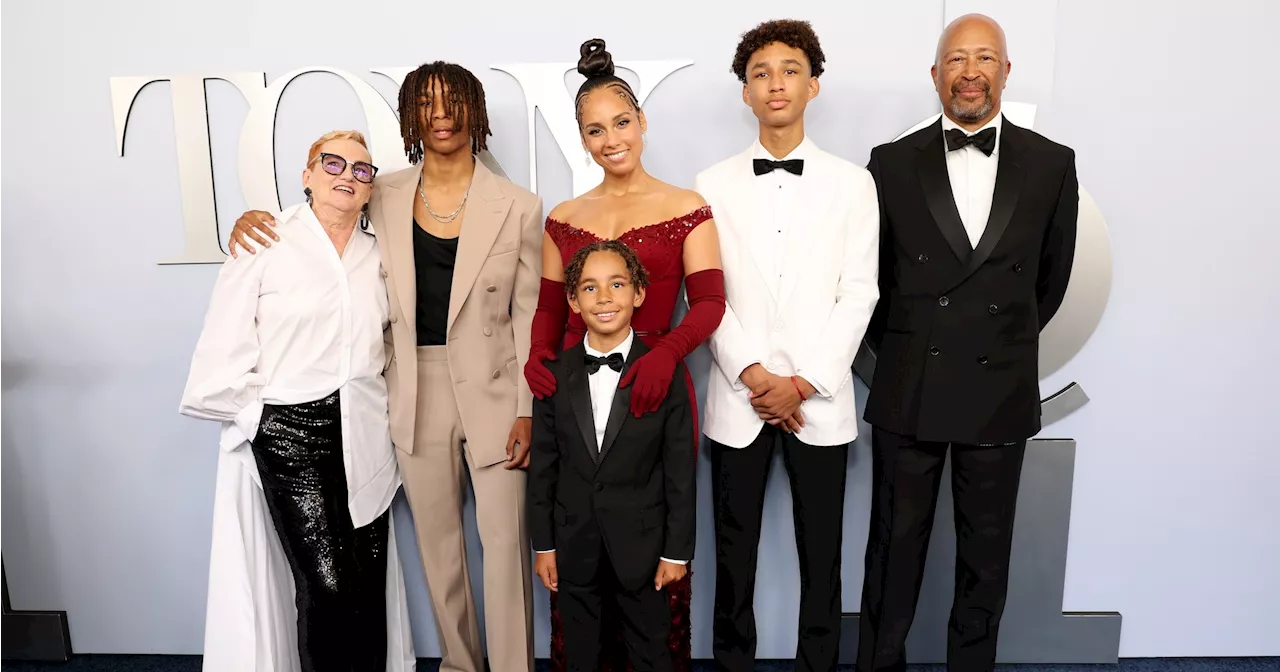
x,y
800,254
799,244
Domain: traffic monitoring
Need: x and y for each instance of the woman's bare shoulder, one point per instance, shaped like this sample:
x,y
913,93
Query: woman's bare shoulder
x,y
564,211
569,211
680,201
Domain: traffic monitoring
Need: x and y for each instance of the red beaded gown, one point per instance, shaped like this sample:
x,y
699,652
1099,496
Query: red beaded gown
x,y
660,248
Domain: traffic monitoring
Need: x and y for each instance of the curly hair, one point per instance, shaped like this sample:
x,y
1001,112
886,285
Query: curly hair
x,y
573,271
791,32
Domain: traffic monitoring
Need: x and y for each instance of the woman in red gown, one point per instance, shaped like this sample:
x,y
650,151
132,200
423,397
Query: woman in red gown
x,y
672,231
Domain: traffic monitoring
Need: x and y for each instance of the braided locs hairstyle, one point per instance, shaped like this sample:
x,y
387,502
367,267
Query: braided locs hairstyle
x,y
596,64
465,91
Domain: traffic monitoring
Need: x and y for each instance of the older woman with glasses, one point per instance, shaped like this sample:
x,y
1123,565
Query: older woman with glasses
x,y
291,361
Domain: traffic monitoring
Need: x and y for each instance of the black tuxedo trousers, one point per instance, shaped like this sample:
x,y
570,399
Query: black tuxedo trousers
x,y
738,480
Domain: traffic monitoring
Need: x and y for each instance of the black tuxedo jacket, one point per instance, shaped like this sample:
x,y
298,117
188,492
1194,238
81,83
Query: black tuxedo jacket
x,y
956,330
637,495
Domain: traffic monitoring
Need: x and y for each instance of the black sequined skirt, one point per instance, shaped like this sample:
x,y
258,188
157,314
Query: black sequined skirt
x,y
339,571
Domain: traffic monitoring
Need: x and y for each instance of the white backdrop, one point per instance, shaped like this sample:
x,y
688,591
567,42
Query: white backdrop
x,y
107,492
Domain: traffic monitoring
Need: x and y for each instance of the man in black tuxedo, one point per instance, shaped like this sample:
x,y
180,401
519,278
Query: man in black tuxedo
x,y
978,227
611,498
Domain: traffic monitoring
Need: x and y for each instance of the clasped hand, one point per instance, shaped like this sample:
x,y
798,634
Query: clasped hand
x,y
775,398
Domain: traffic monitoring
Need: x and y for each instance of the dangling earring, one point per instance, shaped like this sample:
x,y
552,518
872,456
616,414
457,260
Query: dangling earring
x,y
307,191
644,139
588,155
364,218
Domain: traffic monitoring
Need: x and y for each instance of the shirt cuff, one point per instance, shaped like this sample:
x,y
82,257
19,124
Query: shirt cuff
x,y
243,429
737,384
817,387
550,551
675,562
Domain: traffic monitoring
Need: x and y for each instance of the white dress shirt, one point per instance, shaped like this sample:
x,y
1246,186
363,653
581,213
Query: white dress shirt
x,y
778,191
973,178
604,384
292,324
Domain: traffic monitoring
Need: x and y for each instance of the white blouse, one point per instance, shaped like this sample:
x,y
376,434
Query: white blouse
x,y
292,324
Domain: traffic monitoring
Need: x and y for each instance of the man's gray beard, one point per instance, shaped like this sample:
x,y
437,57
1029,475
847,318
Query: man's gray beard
x,y
971,115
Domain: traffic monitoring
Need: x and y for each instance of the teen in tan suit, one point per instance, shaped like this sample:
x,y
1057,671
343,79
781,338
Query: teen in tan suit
x,y
461,250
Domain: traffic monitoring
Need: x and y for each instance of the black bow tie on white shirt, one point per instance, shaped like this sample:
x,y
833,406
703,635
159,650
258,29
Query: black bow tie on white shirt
x,y
613,361
764,166
984,140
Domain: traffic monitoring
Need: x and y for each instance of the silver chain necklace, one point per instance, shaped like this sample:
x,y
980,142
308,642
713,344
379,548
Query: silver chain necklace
x,y
443,219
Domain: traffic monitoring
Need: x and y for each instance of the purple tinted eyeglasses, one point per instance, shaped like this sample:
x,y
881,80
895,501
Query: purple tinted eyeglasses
x,y
334,165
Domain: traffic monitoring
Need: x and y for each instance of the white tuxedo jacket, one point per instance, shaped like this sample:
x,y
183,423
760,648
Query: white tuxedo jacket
x,y
811,322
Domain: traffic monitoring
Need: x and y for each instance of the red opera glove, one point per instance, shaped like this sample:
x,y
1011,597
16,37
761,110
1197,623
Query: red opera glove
x,y
546,337
651,374
653,371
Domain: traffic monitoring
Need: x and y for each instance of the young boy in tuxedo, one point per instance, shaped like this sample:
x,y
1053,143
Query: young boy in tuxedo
x,y
611,498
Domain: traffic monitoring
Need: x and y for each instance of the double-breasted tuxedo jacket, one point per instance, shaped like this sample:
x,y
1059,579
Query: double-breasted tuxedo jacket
x,y
956,330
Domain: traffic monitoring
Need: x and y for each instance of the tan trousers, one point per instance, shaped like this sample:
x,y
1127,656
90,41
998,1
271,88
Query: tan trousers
x,y
433,483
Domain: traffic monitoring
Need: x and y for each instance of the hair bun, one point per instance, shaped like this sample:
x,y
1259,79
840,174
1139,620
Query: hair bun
x,y
595,60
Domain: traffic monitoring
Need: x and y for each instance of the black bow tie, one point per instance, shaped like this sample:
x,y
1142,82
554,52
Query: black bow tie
x,y
984,140
763,166
613,361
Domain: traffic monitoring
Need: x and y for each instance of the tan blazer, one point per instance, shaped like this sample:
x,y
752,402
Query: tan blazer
x,y
491,305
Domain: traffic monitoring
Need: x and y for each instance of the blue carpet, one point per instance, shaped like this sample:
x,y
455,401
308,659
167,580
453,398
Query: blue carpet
x,y
104,663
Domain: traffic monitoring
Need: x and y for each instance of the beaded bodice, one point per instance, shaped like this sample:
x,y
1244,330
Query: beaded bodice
x,y
660,248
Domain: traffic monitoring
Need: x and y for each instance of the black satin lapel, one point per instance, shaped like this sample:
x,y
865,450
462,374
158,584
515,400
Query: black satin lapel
x,y
621,407
1009,177
580,399
932,169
